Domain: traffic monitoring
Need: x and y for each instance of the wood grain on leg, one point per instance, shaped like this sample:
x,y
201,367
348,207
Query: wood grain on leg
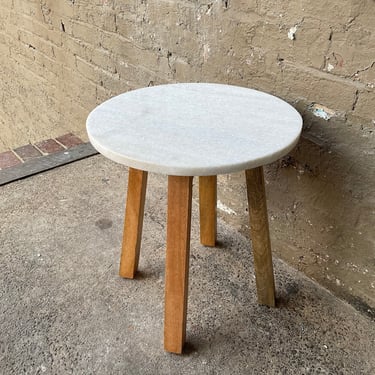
x,y
177,262
131,242
260,236
207,209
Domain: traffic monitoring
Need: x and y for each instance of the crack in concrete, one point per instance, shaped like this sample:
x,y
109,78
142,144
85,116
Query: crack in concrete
x,y
169,55
349,24
115,21
45,10
355,100
363,69
325,56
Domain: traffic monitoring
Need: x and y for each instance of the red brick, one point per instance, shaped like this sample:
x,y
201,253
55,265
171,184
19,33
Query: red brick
x,y
8,159
69,140
27,152
49,146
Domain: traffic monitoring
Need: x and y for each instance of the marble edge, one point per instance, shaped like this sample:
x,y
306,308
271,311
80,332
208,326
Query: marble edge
x,y
197,171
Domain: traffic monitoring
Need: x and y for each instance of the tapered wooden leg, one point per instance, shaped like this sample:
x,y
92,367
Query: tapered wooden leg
x,y
207,209
131,242
260,236
177,262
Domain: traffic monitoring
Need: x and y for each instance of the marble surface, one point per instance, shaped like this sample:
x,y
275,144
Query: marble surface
x,y
194,129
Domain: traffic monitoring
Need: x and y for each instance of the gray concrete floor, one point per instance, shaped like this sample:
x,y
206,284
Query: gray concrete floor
x,y
65,310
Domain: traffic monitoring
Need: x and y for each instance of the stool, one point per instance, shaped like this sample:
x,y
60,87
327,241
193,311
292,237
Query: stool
x,y
186,130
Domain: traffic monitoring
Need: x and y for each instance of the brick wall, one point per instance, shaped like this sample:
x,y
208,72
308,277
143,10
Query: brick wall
x,y
58,59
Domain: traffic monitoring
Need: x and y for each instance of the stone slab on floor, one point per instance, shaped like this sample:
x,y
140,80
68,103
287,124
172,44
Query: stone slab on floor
x,y
65,310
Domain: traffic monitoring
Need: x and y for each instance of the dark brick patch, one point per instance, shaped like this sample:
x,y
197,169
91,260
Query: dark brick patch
x,y
69,140
47,162
27,152
8,159
22,158
49,146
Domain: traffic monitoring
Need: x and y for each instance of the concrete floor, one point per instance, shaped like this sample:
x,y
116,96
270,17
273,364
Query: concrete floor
x,y
64,310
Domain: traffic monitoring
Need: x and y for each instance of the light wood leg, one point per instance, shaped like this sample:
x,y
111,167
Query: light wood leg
x,y
177,262
135,203
260,236
207,209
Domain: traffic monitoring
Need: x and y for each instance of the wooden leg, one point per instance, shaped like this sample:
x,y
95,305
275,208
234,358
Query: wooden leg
x,y
135,203
177,262
207,209
260,236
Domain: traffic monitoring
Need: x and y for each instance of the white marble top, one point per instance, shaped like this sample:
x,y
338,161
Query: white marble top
x,y
194,129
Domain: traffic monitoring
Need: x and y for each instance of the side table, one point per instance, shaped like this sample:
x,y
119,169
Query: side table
x,y
186,130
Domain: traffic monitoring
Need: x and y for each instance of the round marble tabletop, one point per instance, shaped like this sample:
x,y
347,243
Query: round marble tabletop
x,y
194,129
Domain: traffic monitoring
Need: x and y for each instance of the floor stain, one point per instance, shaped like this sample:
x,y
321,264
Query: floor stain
x,y
104,223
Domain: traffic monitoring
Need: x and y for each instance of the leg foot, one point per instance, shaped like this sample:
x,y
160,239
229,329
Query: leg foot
x,y
177,262
260,236
135,203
